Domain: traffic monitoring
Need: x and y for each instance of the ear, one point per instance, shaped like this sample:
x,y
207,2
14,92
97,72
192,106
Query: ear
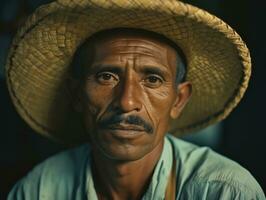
x,y
184,91
73,87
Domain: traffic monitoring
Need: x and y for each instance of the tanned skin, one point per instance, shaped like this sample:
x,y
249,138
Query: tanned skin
x,y
127,99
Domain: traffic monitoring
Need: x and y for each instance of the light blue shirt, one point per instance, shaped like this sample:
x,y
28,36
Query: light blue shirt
x,y
200,174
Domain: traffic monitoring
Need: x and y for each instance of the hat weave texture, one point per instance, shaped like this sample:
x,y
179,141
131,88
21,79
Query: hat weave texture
x,y
218,61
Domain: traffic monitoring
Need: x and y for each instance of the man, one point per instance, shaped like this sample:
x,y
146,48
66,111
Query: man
x,y
118,76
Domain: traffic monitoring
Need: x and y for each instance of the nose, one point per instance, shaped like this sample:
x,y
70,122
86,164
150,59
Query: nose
x,y
129,95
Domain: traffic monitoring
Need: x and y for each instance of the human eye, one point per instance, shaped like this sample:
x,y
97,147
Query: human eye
x,y
153,81
107,78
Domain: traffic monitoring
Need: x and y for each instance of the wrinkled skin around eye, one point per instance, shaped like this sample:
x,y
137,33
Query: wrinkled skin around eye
x,y
153,81
106,78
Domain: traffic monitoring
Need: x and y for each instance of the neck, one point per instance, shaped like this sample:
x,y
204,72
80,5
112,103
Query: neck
x,y
123,179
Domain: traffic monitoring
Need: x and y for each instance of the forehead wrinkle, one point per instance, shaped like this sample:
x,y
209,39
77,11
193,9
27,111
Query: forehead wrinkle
x,y
139,47
134,49
138,53
130,40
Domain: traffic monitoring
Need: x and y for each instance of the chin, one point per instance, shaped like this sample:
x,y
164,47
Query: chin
x,y
124,145
124,152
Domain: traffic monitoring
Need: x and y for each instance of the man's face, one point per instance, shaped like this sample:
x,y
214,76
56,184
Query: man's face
x,y
130,95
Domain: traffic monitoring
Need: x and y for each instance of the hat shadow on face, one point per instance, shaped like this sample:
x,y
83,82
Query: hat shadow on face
x,y
68,122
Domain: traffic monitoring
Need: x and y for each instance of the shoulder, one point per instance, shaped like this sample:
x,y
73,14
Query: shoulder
x,y
59,172
203,171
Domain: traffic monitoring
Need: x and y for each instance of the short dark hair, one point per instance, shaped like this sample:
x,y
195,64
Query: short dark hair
x,y
87,48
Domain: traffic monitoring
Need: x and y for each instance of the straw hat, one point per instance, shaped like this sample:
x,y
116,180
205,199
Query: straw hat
x,y
218,65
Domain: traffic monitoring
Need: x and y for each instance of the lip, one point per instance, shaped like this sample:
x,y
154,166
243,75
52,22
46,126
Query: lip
x,y
126,127
125,131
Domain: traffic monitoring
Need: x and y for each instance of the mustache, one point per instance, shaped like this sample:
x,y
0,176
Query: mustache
x,y
129,120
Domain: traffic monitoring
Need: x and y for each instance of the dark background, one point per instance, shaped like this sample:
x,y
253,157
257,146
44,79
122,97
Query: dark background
x,y
240,137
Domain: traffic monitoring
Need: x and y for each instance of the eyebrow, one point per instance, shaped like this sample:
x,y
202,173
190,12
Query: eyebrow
x,y
147,69
106,67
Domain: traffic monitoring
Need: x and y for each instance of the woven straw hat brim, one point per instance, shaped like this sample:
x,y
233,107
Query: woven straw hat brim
x,y
219,63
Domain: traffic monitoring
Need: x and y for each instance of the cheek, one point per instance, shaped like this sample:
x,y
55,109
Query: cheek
x,y
158,104
96,98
